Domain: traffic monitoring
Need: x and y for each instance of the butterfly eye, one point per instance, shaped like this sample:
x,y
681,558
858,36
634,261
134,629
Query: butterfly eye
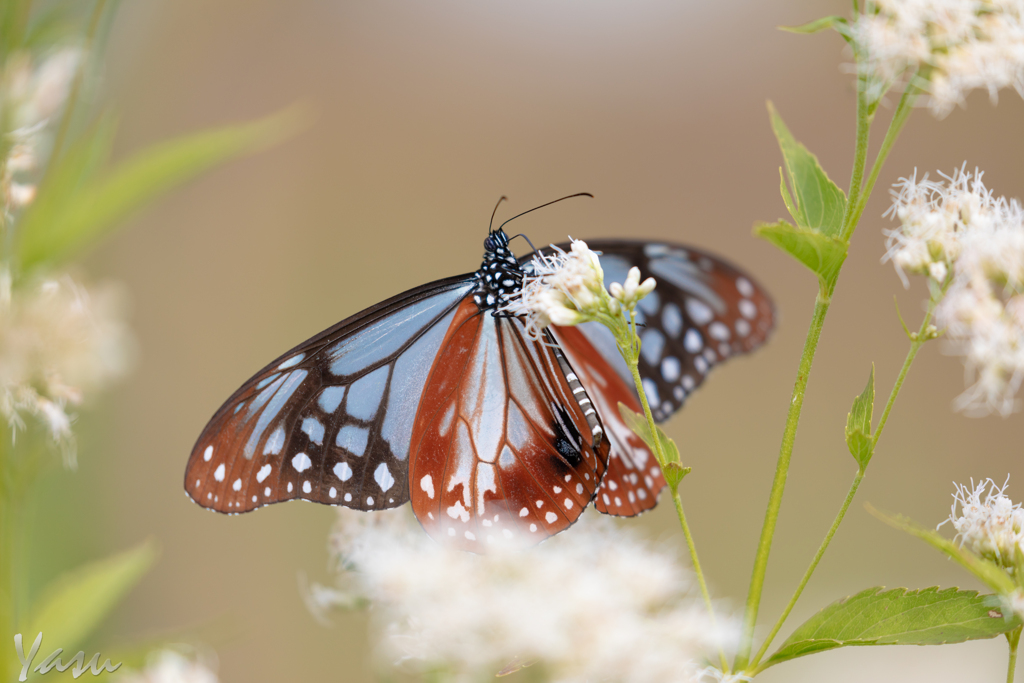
x,y
489,243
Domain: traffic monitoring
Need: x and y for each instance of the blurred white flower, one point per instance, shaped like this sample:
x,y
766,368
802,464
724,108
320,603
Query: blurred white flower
x,y
959,230
988,523
594,604
958,45
32,92
59,342
169,666
712,675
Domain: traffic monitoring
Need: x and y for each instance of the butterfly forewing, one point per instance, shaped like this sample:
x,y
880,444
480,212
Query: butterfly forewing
x,y
329,421
502,451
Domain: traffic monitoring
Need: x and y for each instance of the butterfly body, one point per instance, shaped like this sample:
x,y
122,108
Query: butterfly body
x,y
439,396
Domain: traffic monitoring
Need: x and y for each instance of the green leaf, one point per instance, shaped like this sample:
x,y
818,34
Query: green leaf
x,y
838,23
73,605
65,178
991,574
820,204
673,471
76,214
897,617
858,424
824,255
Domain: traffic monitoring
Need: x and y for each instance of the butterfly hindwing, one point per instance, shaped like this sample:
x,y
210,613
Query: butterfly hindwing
x,y
330,420
502,450
633,480
702,312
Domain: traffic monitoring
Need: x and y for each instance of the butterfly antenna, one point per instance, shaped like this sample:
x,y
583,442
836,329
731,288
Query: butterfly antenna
x,y
490,226
578,194
523,235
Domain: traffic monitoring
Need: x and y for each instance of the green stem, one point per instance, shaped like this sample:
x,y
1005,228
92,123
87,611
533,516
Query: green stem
x,y
917,342
76,84
771,517
7,617
810,570
860,157
633,353
899,119
1013,637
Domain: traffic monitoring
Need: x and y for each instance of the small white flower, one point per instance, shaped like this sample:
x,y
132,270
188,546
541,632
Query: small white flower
x,y
169,666
630,293
567,288
564,288
594,604
988,523
958,45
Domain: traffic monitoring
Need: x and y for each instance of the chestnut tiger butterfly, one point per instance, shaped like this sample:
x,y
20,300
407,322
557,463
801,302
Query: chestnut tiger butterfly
x,y
438,397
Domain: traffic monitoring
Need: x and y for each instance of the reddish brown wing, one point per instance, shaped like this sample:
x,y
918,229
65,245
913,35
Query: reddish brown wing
x,y
633,480
501,450
329,421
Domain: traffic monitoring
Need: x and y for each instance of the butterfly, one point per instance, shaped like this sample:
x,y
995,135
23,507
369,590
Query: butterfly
x,y
440,397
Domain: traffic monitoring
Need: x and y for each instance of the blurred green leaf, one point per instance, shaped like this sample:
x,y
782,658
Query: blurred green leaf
x,y
74,604
79,210
896,617
820,204
838,23
858,424
824,255
991,574
674,471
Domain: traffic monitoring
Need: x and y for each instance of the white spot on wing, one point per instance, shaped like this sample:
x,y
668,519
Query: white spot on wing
x,y
342,471
699,311
551,517
301,462
747,308
218,474
382,475
427,485
306,488
263,473
237,485
208,453
457,511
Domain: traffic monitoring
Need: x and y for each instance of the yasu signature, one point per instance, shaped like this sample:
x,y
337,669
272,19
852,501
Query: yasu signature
x,y
54,661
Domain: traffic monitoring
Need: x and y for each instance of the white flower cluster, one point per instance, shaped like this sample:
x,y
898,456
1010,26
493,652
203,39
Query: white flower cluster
x,y
169,666
592,605
958,230
988,522
32,92
568,289
959,45
58,342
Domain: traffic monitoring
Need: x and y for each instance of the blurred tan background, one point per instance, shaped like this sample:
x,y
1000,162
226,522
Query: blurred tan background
x,y
426,114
